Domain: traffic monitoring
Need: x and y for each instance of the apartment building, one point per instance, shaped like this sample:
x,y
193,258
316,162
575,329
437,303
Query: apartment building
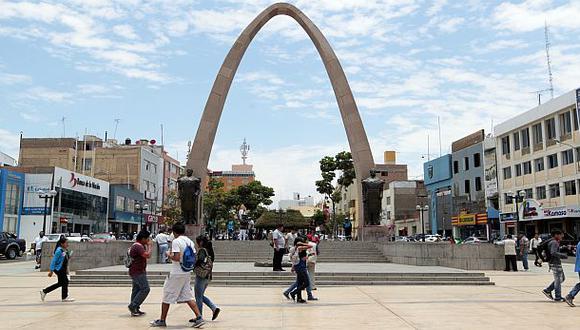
x,y
537,159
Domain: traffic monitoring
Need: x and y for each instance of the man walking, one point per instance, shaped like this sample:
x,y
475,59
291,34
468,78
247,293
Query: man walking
x,y
555,262
570,297
38,247
177,286
509,245
524,249
162,240
279,244
534,243
139,253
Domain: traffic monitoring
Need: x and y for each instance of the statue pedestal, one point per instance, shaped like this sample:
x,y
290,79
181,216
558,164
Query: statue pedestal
x,y
192,231
371,233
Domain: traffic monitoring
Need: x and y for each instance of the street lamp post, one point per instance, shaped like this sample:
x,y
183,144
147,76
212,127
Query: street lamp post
x,y
422,208
141,209
519,197
46,195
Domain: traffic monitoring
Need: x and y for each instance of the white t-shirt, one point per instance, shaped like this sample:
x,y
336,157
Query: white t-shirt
x,y
534,242
312,256
38,242
290,239
278,238
162,238
509,246
178,245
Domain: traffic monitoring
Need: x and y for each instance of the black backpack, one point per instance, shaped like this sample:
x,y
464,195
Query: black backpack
x,y
544,250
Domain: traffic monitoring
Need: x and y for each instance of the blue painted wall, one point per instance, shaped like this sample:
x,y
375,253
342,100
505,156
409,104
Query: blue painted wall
x,y
437,176
7,176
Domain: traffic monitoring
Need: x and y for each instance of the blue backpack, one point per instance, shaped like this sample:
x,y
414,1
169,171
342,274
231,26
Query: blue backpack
x,y
188,259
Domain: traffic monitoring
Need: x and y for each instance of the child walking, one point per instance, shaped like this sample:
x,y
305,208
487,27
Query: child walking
x,y
59,266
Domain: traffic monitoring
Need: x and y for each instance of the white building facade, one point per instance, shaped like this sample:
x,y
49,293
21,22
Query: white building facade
x,y
538,159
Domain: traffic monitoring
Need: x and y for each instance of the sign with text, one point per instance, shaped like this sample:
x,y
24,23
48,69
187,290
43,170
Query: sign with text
x,y
81,183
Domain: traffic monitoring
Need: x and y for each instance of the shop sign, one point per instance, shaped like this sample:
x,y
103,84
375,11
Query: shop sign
x,y
35,210
507,217
466,220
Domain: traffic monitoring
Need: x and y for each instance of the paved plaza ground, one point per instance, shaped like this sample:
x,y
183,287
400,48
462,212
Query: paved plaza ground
x,y
515,302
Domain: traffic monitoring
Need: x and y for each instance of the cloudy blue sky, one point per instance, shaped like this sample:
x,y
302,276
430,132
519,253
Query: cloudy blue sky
x,y
148,63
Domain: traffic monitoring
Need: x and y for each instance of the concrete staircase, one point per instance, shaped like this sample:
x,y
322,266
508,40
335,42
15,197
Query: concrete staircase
x,y
330,251
88,278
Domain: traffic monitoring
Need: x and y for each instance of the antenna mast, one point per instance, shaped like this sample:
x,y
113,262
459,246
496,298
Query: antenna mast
x,y
116,126
245,150
548,61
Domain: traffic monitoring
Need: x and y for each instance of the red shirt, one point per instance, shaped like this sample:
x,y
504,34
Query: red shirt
x,y
139,264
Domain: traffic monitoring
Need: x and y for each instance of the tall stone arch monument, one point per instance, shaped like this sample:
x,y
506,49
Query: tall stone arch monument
x,y
359,145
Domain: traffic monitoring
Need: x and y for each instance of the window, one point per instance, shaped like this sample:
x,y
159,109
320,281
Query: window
x,y
130,205
466,162
517,141
550,129
565,123
539,164
570,188
467,187
88,164
477,160
537,133
567,157
518,169
507,173
478,183
507,199
552,160
529,193
525,138
575,115
388,200
527,167
554,190
455,167
505,145
120,203
388,214
541,192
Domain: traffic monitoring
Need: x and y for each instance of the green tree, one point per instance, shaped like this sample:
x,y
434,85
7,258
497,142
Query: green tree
x,y
342,165
171,209
254,196
215,203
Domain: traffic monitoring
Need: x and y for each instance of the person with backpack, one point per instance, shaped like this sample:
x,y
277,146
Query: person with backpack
x,y
551,250
203,274
302,281
59,266
138,254
534,242
570,296
177,286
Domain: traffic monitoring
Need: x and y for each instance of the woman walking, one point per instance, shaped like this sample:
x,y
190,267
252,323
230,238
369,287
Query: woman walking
x,y
59,266
203,274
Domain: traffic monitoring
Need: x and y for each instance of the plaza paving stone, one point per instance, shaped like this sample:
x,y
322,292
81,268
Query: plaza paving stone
x,y
515,302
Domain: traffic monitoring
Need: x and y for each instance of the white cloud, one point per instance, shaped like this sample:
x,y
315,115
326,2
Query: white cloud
x,y
530,15
125,31
13,79
9,142
46,95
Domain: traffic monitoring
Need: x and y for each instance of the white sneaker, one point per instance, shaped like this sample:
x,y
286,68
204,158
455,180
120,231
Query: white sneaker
x,y
42,295
68,299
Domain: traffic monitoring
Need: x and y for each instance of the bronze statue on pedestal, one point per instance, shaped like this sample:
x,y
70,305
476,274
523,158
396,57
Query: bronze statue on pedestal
x,y
372,197
189,189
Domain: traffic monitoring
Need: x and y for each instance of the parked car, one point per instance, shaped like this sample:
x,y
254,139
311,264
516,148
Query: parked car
x,y
102,238
433,238
401,239
11,246
474,240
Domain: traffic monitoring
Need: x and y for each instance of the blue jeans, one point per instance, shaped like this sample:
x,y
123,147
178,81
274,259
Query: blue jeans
x,y
559,278
525,259
163,253
200,298
140,291
574,290
295,285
